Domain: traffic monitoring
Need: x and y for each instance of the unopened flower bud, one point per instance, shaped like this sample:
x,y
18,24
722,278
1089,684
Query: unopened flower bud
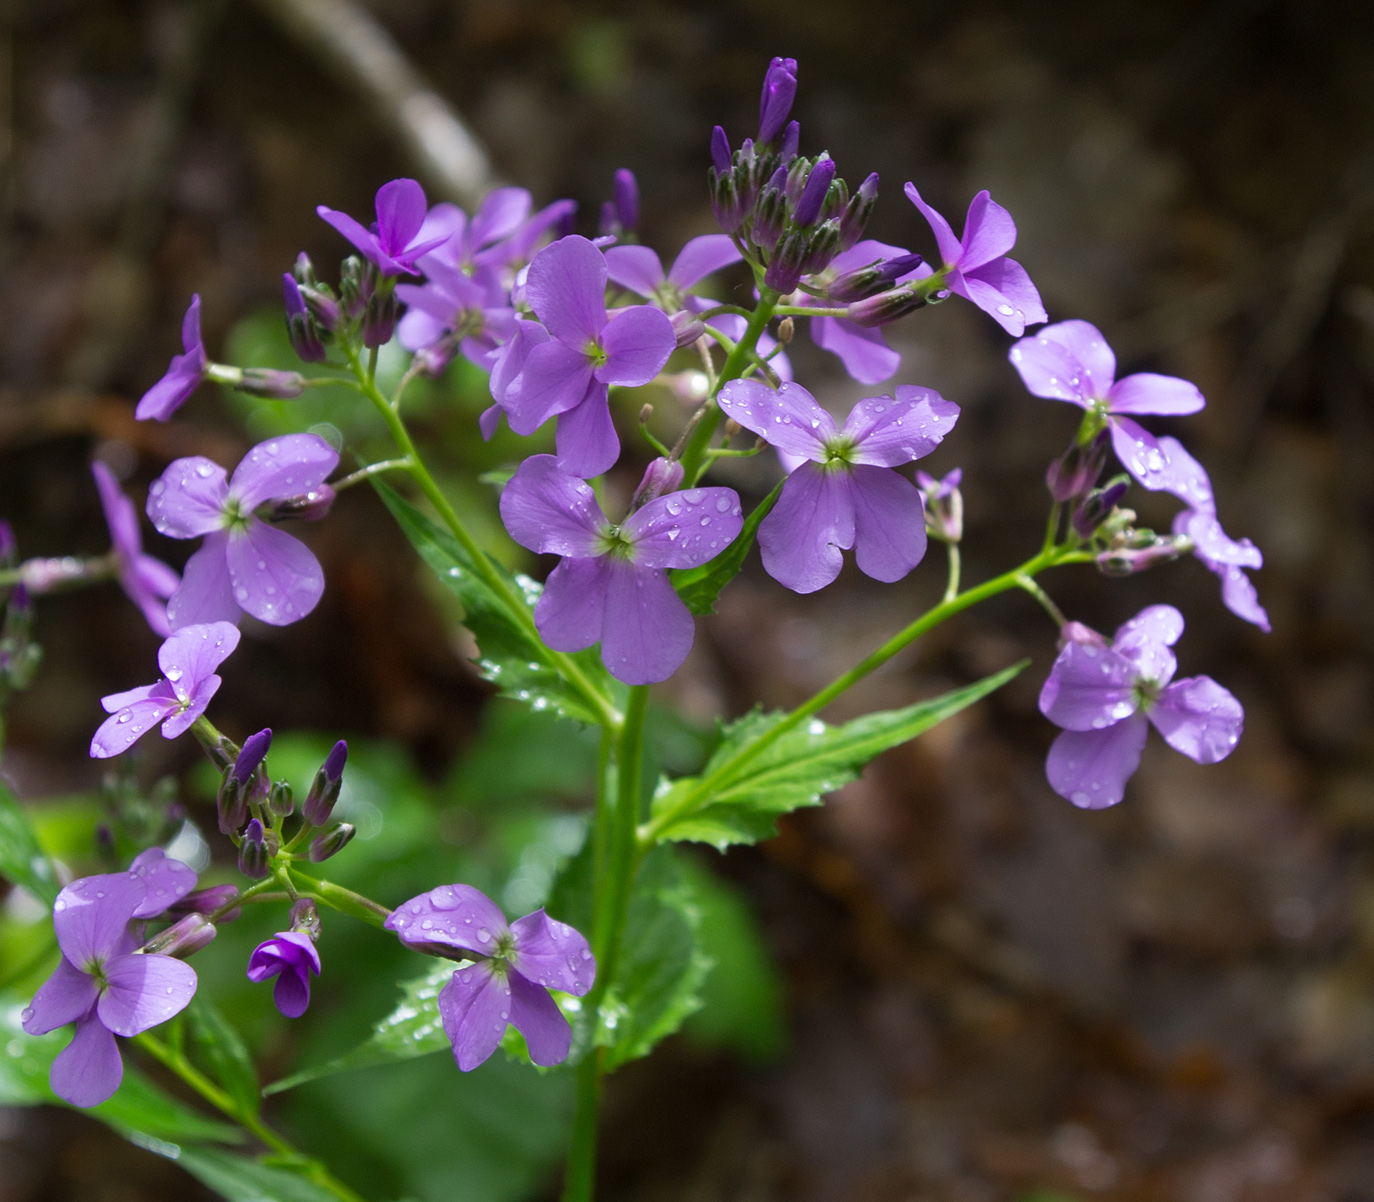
x,y
303,271
779,90
380,316
305,919
267,382
231,803
324,789
307,338
254,857
660,477
626,192
310,506
885,307
687,326
1076,632
821,247
1076,471
854,220
726,206
1127,561
818,182
791,139
331,842
183,938
785,267
869,280
281,799
1096,506
944,505
207,901
770,213
786,329
720,150
254,750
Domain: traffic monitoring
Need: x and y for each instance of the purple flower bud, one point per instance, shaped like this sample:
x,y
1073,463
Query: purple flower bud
x,y
875,277
331,842
231,803
380,316
1076,471
821,247
302,328
303,271
627,199
183,938
813,195
885,307
794,177
305,919
944,505
324,789
726,207
770,213
290,957
326,311
9,547
785,267
1127,561
854,220
791,139
207,901
779,90
1076,632
1096,507
607,223
357,282
281,799
661,476
687,326
254,749
254,856
720,150
310,506
264,381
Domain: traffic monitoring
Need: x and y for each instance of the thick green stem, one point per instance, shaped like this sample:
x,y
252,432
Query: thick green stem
x,y
579,1183
347,902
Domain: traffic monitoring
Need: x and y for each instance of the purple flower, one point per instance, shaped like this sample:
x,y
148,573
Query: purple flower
x,y
166,880
1222,554
476,245
184,373
612,584
393,243
944,504
976,266
779,90
188,661
146,580
515,967
473,308
102,984
570,372
1071,361
243,563
639,269
290,956
845,494
1103,696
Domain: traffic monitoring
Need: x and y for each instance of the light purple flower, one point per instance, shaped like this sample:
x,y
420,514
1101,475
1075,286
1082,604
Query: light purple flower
x,y
244,563
612,584
1071,361
102,984
290,956
845,494
393,243
1105,697
147,581
473,307
188,661
184,373
1222,554
474,245
515,967
639,269
570,373
976,266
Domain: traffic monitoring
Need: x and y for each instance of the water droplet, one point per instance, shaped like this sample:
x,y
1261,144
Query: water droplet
x,y
174,674
262,565
156,488
1079,798
724,504
125,716
705,521
673,533
484,935
271,448
241,595
586,953
203,470
674,506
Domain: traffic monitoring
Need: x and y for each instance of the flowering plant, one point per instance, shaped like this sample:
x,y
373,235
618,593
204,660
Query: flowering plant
x,y
564,325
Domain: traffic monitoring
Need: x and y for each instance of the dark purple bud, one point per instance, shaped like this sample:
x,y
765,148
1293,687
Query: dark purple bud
x,y
264,381
357,282
813,195
305,919
303,271
207,901
301,327
9,546
854,220
281,799
661,476
791,139
326,311
725,201
821,247
794,181
1096,507
770,214
885,307
1127,561
183,938
785,267
1076,632
331,842
606,224
720,150
254,749
687,326
379,318
1075,472
861,282
779,90
627,199
231,803
311,506
254,857
324,789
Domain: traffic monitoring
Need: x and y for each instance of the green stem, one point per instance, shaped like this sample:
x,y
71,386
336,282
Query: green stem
x,y
311,1168
372,469
579,1184
347,902
1045,600
952,589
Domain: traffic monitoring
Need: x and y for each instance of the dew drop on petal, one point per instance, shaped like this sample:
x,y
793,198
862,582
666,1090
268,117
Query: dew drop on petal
x,y
1080,798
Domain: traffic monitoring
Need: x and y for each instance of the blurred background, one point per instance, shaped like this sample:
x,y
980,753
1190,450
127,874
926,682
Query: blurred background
x,y
948,984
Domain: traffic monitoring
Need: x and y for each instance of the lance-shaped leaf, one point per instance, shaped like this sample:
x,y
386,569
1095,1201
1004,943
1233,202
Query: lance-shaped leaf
x,y
219,1048
511,654
22,860
739,795
699,587
241,1179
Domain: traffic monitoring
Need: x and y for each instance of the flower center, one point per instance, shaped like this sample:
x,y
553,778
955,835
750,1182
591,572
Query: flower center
x,y
616,544
1145,691
838,453
595,353
235,517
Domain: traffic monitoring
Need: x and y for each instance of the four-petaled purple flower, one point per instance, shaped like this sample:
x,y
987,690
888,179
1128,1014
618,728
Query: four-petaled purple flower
x,y
393,243
612,584
147,581
1071,361
472,307
290,956
184,373
243,564
102,983
188,661
976,266
579,353
639,269
1106,697
516,966
845,494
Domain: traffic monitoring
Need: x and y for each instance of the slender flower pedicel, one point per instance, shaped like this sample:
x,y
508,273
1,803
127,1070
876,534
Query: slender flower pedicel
x,y
147,581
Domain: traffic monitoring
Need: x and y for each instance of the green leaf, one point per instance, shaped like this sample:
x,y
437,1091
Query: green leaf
x,y
220,1049
243,1179
795,770
22,860
512,657
699,587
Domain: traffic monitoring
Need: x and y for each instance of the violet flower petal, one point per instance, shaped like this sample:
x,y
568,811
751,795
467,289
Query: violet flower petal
x,y
637,342
789,419
570,613
117,734
118,701
525,336
167,881
537,1017
1188,479
475,1007
1199,718
91,915
453,916
889,432
989,232
183,375
276,577
951,249
1140,454
88,1070
120,515
554,379
552,512
889,523
188,498
499,215
637,268
418,329
1239,596
1146,392
801,540
684,529
194,652
1091,767
1003,290
179,723
154,576
566,287
400,214
552,954
1094,361
206,593
864,352
701,257
1050,369
354,231
1145,640
282,467
647,631
586,441
1089,688
291,957
143,990
63,998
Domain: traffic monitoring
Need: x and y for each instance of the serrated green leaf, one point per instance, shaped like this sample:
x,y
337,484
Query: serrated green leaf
x,y
243,1179
797,769
699,587
511,656
219,1048
22,860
